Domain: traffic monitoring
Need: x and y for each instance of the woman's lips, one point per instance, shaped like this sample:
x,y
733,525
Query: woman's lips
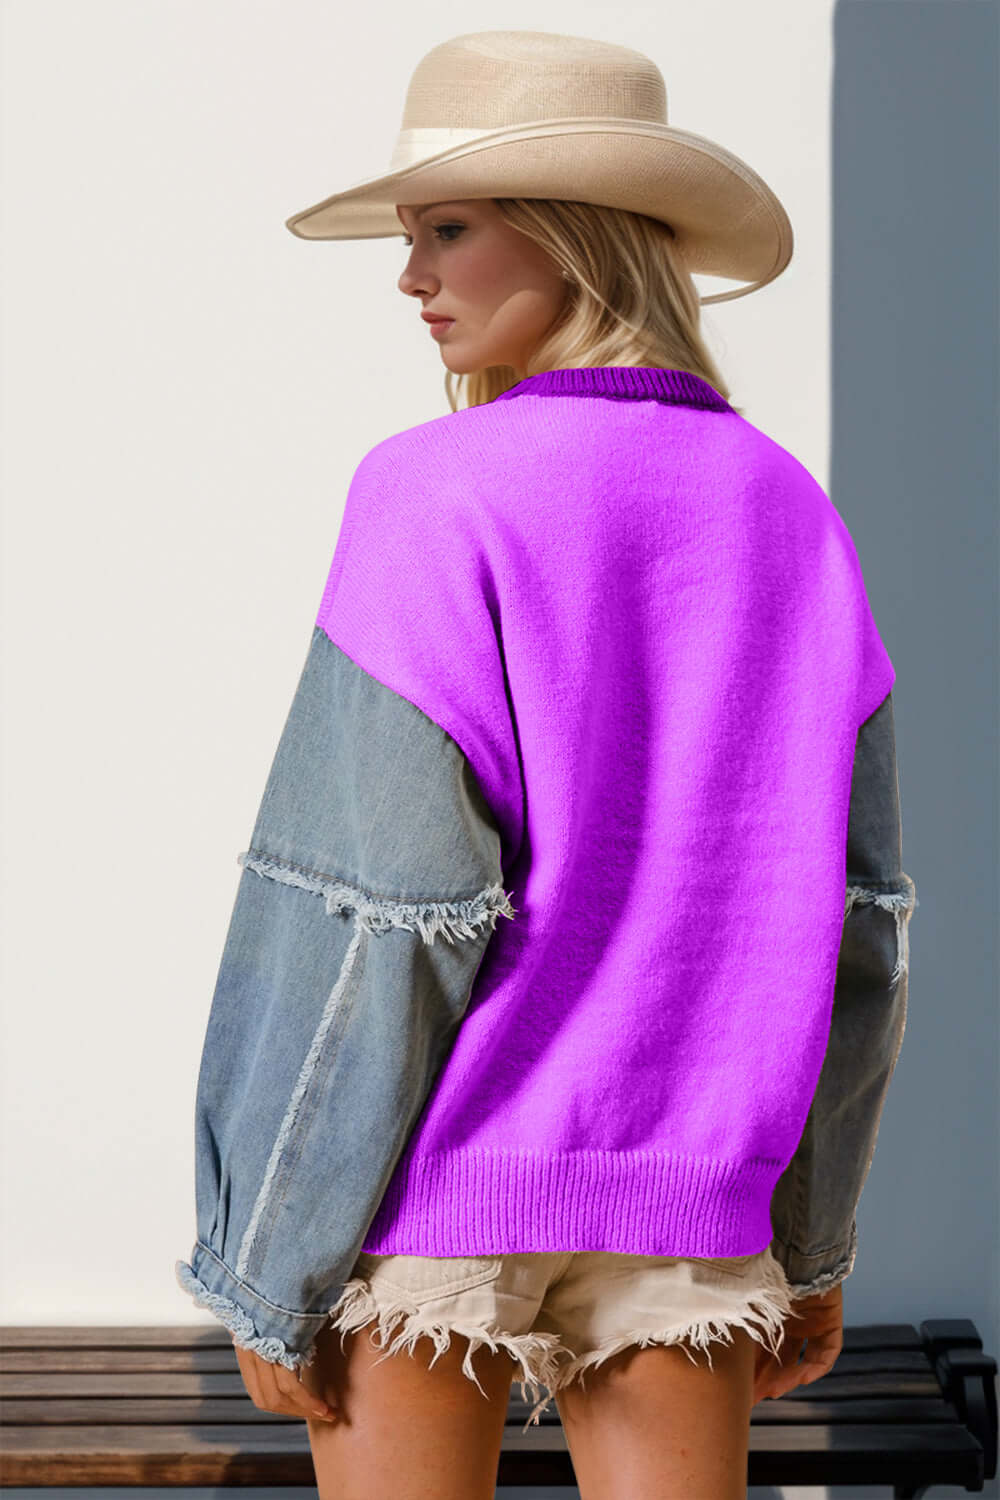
x,y
440,326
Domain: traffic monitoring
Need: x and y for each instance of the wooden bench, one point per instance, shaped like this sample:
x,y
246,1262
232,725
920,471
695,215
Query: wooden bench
x,y
167,1406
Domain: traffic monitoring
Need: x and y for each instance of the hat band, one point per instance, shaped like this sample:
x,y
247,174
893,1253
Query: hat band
x,y
413,145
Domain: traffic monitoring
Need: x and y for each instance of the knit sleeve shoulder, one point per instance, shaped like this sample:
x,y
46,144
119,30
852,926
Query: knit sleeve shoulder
x,y
411,597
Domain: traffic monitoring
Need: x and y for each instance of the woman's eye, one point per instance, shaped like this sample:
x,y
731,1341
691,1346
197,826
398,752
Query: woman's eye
x,y
438,229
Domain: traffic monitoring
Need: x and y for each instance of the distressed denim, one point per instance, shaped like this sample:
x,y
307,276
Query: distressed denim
x,y
367,898
813,1208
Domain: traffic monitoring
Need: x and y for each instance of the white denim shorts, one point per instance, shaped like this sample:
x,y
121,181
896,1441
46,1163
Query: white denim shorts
x,y
558,1314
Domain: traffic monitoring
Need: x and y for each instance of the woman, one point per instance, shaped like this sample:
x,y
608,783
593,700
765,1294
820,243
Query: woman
x,y
596,638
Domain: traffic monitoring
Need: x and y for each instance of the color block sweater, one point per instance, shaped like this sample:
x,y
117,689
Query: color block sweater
x,y
645,625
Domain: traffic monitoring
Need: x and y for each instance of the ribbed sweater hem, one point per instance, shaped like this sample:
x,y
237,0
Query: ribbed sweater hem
x,y
492,1202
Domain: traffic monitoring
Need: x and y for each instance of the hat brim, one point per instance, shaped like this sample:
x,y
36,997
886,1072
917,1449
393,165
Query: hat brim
x,y
726,219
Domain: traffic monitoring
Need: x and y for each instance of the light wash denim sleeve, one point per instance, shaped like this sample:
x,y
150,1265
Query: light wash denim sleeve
x,y
367,899
814,1207
366,902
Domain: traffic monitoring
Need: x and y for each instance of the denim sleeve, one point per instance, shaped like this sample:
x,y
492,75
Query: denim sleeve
x,y
814,1207
367,898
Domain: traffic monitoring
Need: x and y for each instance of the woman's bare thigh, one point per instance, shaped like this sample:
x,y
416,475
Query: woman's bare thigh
x,y
650,1425
405,1431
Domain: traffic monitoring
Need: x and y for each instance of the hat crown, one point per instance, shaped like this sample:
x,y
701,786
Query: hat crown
x,y
545,115
492,80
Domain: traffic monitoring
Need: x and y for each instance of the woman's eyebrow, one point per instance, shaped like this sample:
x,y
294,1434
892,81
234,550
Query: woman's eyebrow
x,y
428,207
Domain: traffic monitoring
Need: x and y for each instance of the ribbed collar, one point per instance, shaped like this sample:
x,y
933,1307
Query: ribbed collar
x,y
622,383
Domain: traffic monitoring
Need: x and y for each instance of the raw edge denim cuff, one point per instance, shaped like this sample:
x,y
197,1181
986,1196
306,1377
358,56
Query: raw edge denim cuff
x,y
274,1333
810,1275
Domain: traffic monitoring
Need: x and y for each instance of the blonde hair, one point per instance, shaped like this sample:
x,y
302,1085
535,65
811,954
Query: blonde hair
x,y
630,299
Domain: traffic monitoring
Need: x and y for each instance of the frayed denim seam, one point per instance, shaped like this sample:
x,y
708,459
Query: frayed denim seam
x,y
452,918
900,902
379,914
330,1012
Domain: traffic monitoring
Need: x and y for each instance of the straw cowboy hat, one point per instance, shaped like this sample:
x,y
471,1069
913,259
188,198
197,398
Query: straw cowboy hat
x,y
533,114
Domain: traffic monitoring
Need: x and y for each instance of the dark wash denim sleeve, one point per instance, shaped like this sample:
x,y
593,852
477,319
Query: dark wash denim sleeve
x,y
366,902
814,1207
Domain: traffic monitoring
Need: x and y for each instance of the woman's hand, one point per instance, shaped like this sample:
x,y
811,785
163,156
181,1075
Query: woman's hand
x,y
275,1388
819,1321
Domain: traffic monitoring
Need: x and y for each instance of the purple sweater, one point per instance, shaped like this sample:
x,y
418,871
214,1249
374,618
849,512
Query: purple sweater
x,y
645,625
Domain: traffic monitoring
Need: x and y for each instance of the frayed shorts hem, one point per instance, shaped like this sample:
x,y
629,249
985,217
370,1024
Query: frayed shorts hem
x,y
543,1359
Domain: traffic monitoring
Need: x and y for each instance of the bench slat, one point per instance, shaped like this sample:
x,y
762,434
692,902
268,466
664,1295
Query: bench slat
x,y
95,1361
279,1453
118,1412
112,1335
50,1388
201,1334
276,1453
